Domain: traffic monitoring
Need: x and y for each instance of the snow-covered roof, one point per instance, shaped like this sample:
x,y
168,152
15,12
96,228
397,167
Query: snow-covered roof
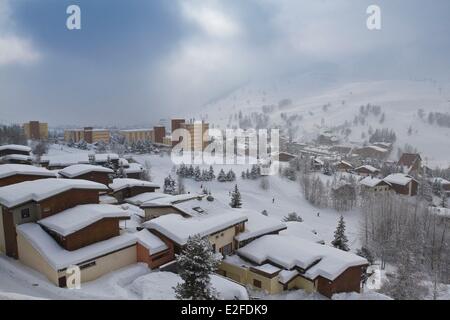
x,y
66,159
136,130
146,197
170,200
59,258
103,157
81,169
287,275
79,217
150,241
371,182
17,147
346,163
197,206
291,252
7,170
179,229
442,181
301,230
267,268
120,184
379,149
124,163
107,199
398,179
368,168
134,168
258,225
18,157
38,190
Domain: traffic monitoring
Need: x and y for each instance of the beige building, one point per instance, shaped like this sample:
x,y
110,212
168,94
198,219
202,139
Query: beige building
x,y
38,250
88,134
35,130
197,131
136,135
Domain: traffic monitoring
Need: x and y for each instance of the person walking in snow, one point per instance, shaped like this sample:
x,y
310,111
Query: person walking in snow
x,y
273,200
318,214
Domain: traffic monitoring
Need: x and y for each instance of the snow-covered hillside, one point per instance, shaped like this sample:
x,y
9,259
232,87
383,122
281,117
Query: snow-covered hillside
x,y
311,104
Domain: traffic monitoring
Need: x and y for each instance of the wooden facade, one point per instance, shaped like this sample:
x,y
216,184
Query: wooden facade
x,y
100,177
17,178
42,209
101,230
155,260
409,189
348,281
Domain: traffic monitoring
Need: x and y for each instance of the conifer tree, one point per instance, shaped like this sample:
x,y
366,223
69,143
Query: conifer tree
x,y
340,239
236,198
196,263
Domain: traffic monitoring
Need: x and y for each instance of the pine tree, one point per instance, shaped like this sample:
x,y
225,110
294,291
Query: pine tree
x,y
169,185
195,264
222,177
212,176
236,198
340,239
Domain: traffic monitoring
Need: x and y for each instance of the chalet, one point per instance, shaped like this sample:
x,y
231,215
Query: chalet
x,y
152,250
220,229
134,171
403,184
16,173
317,164
343,166
184,204
84,225
371,152
374,184
15,154
16,149
410,162
31,201
384,145
87,172
367,170
40,251
340,149
444,184
126,188
275,263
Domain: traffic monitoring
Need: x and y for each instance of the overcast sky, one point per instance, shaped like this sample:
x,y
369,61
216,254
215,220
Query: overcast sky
x,y
136,61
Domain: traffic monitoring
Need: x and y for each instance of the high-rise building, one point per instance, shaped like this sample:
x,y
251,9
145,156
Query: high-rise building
x,y
159,134
88,134
35,130
176,124
135,135
197,132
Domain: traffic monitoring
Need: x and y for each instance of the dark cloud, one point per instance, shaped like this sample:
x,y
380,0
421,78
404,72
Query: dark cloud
x,y
136,61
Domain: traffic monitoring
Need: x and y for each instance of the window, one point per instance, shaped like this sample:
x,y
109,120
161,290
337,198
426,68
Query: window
x,y
25,213
227,250
256,283
198,209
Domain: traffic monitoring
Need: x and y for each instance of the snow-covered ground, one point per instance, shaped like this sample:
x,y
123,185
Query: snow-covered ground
x,y
287,195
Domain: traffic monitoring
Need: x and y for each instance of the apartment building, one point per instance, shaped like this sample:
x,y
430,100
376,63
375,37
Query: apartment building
x,y
135,135
35,130
88,134
197,132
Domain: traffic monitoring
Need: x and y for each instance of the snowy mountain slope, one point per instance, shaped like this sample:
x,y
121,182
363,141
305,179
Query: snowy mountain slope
x,y
310,107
